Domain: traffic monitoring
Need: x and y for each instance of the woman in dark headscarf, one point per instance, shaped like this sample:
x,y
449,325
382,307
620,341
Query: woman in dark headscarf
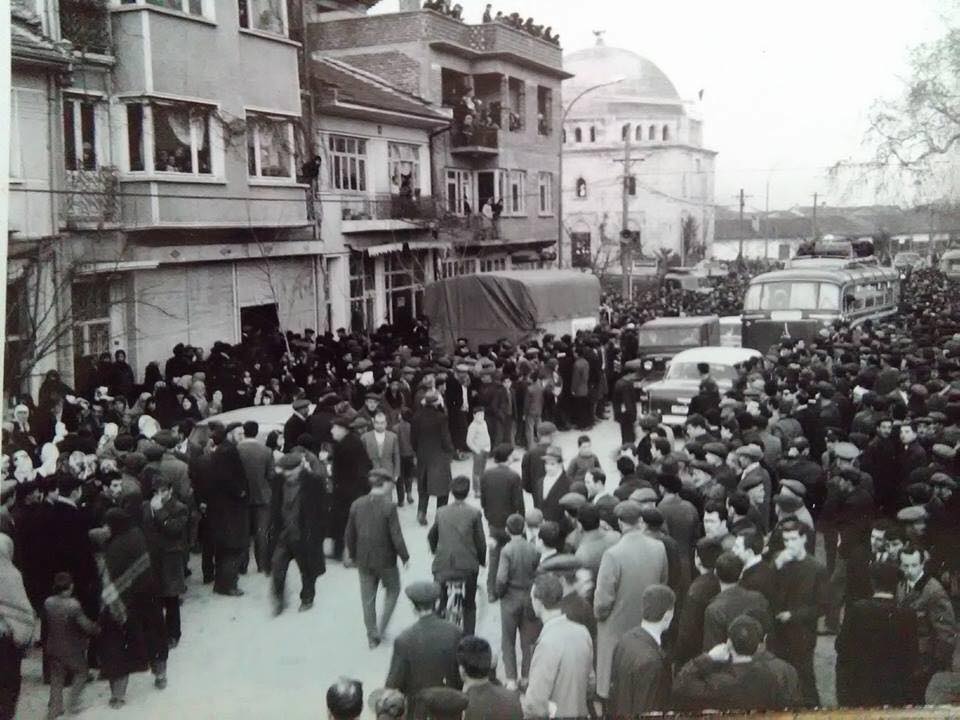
x,y
133,636
151,376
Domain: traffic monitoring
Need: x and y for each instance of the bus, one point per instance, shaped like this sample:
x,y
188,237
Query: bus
x,y
812,295
950,264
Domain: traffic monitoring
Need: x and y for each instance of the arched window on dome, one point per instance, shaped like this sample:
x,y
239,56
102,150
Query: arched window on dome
x,y
581,188
638,134
625,132
578,135
593,134
666,133
652,132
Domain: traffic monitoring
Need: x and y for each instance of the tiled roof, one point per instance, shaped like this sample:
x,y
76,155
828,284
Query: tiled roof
x,y
363,88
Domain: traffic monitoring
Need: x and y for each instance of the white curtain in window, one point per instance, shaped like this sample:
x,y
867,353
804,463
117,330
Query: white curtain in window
x,y
178,121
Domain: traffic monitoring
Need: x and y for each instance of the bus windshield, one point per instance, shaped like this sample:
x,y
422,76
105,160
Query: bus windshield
x,y
792,295
669,337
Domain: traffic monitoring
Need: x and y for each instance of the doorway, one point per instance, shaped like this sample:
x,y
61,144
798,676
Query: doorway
x,y
257,321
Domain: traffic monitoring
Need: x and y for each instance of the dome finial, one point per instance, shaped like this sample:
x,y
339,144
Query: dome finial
x,y
599,35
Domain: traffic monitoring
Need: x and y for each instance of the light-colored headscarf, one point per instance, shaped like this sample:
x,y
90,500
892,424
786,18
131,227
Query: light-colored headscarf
x,y
147,426
15,608
48,460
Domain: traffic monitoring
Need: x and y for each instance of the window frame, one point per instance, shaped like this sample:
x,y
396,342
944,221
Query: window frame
x,y
460,180
254,120
517,180
148,141
207,8
335,160
545,183
285,20
75,104
580,181
391,162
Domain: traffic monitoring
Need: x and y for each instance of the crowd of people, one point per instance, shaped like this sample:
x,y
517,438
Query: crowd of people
x,y
816,494
514,20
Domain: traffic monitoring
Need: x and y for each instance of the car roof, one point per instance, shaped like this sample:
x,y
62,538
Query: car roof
x,y
272,416
950,254
717,355
680,321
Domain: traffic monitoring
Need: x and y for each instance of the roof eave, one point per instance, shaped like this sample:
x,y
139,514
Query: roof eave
x,y
367,112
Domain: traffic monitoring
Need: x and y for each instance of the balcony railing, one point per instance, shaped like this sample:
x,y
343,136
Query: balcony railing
x,y
92,196
86,24
488,137
391,207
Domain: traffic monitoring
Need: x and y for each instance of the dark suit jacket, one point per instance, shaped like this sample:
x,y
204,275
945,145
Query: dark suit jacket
x,y
550,505
492,702
500,495
424,656
319,425
228,511
703,590
724,608
762,578
640,676
877,654
373,536
312,520
457,541
532,469
257,461
292,430
70,550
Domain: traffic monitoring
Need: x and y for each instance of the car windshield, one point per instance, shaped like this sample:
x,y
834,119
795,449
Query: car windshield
x,y
792,295
689,371
669,336
904,258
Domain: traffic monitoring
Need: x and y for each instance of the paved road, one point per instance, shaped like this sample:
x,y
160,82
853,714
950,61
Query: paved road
x,y
236,661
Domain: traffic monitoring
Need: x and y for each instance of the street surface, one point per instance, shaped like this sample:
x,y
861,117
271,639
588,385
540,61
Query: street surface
x,y
236,661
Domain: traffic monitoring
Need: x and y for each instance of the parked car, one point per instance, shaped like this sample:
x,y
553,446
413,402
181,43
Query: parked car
x,y
731,331
671,396
907,262
950,264
662,338
268,417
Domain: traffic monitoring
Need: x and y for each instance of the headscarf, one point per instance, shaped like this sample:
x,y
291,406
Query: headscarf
x,y
48,460
147,426
15,607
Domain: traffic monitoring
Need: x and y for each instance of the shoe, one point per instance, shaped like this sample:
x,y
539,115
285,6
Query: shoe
x,y
160,682
278,609
173,642
187,572
117,703
232,592
207,581
373,643
422,518
511,685
304,606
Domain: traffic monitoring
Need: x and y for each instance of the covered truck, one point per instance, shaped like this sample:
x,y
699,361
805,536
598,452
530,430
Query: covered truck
x,y
516,305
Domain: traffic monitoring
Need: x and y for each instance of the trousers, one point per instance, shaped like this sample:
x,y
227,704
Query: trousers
x,y
171,616
370,580
515,617
479,465
530,422
282,555
259,527
228,562
60,672
493,558
423,500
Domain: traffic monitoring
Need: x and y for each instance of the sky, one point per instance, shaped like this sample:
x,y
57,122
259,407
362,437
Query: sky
x,y
787,86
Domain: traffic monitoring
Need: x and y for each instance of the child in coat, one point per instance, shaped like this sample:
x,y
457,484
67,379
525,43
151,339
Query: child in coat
x,y
478,440
66,645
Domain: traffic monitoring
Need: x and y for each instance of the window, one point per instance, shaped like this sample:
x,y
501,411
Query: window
x,y
363,290
580,253
581,188
638,133
180,140
666,133
630,183
269,147
455,268
16,160
459,192
577,135
79,134
544,110
91,318
593,134
404,275
404,168
201,8
625,132
493,264
516,199
266,15
348,163
17,332
517,97
792,295
545,187
135,137
652,133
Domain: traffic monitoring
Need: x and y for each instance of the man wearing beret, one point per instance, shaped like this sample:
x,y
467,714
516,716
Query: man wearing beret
x,y
298,526
425,654
751,471
373,541
626,570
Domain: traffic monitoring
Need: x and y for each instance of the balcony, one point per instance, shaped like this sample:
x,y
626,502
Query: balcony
x,y
475,142
91,198
388,213
86,24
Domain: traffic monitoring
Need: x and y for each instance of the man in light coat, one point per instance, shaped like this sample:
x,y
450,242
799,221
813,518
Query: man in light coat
x,y
383,448
628,568
562,661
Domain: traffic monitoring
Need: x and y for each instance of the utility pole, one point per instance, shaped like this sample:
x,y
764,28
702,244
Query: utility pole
x,y
743,201
626,251
766,223
815,233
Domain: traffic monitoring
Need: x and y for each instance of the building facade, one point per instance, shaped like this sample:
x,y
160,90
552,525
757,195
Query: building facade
x,y
638,122
508,83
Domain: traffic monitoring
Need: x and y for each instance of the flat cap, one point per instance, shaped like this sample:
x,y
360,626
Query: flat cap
x,y
943,480
546,428
289,461
153,452
379,476
652,516
716,448
560,563
462,368
751,481
431,397
301,404
628,511
794,486
165,438
232,426
342,421
940,450
911,514
754,452
554,452
572,501
788,503
443,702
643,495
846,451
422,592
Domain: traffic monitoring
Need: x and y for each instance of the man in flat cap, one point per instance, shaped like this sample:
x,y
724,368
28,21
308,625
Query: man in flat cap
x,y
626,570
425,654
552,486
373,542
749,457
298,527
296,424
350,465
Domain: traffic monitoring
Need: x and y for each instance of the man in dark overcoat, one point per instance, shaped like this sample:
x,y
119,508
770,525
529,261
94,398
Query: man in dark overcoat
x,y
350,464
430,435
228,511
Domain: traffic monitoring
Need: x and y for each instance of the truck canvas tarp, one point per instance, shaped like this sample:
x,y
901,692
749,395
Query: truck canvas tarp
x,y
515,305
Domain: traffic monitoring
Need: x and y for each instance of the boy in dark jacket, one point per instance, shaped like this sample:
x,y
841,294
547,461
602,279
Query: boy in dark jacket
x,y
66,645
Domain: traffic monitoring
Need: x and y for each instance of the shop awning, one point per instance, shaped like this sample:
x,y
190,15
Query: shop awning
x,y
387,248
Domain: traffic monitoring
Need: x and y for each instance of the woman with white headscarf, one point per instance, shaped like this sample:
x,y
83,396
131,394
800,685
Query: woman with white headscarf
x,y
105,446
48,460
16,628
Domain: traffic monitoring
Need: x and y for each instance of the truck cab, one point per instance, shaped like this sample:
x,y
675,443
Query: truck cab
x,y
662,338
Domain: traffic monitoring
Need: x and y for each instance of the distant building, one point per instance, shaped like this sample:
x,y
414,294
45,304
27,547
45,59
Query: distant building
x,y
671,178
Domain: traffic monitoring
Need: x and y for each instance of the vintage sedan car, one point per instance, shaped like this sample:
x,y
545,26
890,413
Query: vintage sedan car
x,y
671,396
268,417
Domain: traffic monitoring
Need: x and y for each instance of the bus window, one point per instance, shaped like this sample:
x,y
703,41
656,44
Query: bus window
x,y
789,296
752,299
829,297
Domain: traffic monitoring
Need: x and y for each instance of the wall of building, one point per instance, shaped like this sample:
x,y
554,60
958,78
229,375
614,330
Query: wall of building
x,y
34,151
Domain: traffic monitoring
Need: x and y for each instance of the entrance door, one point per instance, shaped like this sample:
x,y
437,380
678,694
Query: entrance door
x,y
401,309
259,320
